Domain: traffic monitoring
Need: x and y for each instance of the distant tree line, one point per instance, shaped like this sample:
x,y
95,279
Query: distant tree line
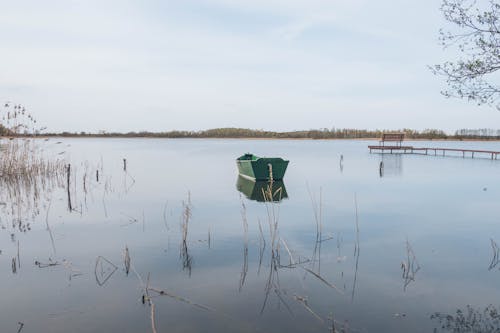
x,y
478,133
314,134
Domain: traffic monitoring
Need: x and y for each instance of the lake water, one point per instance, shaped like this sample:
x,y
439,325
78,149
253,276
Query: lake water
x,y
349,246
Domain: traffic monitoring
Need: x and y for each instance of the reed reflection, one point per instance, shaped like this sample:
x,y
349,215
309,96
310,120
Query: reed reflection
x,y
255,190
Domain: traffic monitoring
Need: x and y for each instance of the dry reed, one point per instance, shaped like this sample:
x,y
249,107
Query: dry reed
x,y
27,173
127,260
186,258
410,267
496,254
244,269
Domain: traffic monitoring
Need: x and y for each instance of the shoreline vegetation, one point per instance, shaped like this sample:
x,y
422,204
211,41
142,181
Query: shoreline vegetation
x,y
316,134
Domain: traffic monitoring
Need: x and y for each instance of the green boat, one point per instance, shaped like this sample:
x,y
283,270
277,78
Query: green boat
x,y
261,168
262,190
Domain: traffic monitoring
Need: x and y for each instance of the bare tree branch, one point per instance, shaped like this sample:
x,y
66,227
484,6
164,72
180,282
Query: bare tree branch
x,y
477,37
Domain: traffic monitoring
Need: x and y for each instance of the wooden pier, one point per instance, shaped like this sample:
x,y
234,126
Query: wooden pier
x,y
434,151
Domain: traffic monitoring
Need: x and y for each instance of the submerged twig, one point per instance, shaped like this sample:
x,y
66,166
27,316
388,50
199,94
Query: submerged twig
x,y
410,267
292,261
131,220
244,269
165,215
48,227
162,292
209,238
496,254
153,321
127,260
18,256
262,247
105,274
44,265
356,248
303,301
323,280
72,272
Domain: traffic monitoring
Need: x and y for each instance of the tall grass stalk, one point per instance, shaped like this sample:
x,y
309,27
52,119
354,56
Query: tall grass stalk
x,y
185,218
244,269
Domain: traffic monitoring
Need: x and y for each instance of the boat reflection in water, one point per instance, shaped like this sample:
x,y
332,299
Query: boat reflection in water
x,y
257,190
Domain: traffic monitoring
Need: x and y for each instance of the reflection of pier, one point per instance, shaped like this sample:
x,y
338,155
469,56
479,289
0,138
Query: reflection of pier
x,y
435,151
391,165
256,190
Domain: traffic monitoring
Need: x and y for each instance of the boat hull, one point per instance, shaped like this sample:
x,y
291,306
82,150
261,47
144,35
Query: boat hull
x,y
262,168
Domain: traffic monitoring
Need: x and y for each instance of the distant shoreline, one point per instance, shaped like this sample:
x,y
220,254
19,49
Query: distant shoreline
x,y
243,138
321,134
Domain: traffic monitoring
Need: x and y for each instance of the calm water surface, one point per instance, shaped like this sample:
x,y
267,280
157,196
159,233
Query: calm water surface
x,y
367,250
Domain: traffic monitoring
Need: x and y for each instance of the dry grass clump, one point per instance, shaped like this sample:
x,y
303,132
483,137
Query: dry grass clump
x,y
20,156
22,159
27,173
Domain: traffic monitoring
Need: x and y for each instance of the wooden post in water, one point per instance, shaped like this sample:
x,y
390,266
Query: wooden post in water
x,y
68,176
124,164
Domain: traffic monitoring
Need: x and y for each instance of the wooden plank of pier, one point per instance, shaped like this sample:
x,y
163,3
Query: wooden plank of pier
x,y
436,150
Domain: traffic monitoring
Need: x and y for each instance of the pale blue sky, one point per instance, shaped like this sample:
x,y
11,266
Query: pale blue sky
x,y
275,65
